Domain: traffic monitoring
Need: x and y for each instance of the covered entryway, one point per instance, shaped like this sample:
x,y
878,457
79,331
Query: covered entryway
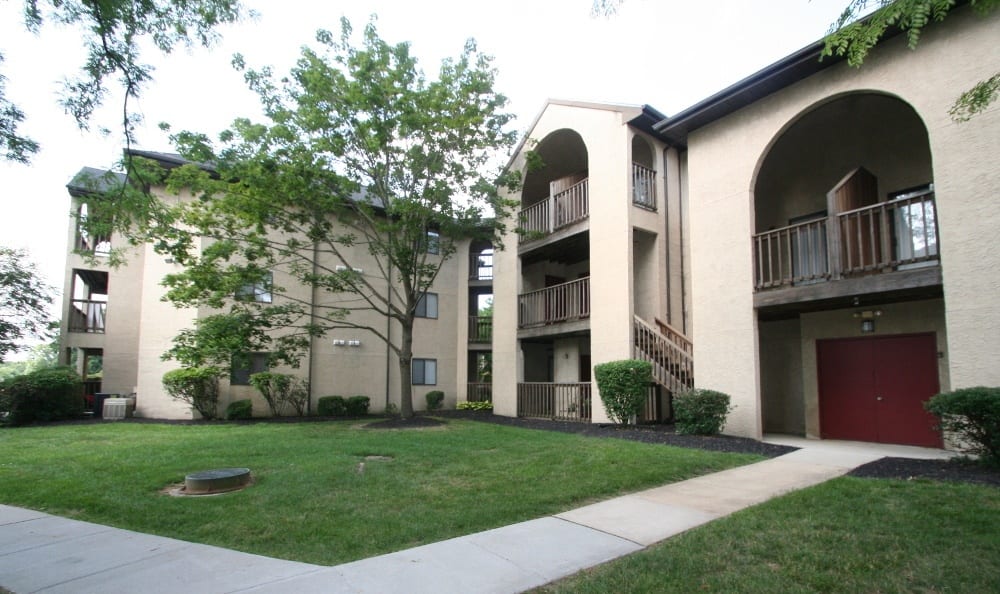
x,y
874,388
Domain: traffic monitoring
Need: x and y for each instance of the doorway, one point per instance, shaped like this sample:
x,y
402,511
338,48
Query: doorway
x,y
874,389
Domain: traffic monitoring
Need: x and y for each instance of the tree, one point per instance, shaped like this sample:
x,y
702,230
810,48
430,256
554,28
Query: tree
x,y
113,31
362,157
853,37
24,301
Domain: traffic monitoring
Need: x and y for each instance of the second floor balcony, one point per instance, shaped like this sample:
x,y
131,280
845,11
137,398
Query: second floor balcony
x,y
896,236
565,302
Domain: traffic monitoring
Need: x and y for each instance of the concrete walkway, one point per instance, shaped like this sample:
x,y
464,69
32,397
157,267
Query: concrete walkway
x,y
43,553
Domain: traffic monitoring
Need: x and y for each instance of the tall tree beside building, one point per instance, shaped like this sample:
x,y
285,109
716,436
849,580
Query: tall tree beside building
x,y
24,301
112,33
361,153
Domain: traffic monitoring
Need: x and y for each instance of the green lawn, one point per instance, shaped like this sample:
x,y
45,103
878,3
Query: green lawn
x,y
848,535
310,503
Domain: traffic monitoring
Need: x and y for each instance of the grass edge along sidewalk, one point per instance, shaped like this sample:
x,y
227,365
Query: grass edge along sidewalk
x,y
846,535
331,492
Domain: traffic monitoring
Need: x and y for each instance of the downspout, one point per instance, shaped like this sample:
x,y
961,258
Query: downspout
x,y
388,329
312,321
666,215
681,179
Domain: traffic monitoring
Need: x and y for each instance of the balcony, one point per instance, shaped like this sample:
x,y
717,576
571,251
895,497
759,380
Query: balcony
x,y
643,187
87,316
899,236
481,266
480,392
555,212
561,402
480,329
557,304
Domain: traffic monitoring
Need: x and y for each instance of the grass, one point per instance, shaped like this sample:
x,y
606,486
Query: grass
x,y
847,535
310,503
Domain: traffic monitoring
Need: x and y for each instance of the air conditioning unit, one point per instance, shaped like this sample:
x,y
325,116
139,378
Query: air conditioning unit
x,y
118,408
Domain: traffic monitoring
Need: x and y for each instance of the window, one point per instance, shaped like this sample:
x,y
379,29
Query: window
x,y
433,242
424,372
259,291
244,365
427,306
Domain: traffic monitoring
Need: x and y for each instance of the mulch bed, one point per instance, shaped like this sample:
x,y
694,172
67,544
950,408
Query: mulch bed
x,y
959,470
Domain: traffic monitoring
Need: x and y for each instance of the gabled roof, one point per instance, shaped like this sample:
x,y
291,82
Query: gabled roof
x,y
90,181
643,117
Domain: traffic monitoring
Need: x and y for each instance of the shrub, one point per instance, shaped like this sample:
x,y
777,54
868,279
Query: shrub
x,y
331,406
273,387
481,405
357,406
197,386
282,391
239,410
701,412
623,386
49,394
974,415
434,399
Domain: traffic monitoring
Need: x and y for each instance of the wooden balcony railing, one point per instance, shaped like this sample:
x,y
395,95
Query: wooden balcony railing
x,y
561,402
643,186
878,238
87,316
481,267
480,329
553,213
559,303
673,363
479,392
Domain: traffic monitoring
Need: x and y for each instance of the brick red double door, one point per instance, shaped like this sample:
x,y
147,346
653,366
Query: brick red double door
x,y
874,388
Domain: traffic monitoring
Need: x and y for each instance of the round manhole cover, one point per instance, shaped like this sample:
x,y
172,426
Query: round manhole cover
x,y
216,481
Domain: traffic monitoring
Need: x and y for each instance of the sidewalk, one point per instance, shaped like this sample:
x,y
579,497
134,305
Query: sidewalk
x,y
43,553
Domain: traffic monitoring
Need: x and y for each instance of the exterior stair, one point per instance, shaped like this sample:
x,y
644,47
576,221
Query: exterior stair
x,y
668,350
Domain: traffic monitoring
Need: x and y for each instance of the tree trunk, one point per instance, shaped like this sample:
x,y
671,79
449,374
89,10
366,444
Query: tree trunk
x,y
405,370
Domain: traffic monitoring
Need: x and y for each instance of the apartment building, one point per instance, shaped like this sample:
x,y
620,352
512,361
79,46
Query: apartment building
x,y
119,315
820,233
814,240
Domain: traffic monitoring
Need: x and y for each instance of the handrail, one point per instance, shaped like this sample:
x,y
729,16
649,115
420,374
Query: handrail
x,y
880,237
643,186
562,402
558,303
673,367
555,212
675,335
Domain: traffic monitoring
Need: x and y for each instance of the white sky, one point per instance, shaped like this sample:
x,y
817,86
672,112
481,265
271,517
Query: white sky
x,y
665,53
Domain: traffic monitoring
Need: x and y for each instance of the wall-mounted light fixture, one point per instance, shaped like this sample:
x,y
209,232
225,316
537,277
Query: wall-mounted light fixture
x,y
339,342
354,343
867,318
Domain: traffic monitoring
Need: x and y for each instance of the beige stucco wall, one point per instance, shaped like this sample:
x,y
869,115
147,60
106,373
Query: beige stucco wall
x,y
141,327
722,162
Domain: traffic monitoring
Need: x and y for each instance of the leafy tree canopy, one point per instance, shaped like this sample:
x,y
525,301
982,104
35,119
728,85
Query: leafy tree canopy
x,y
348,199
24,301
853,37
112,33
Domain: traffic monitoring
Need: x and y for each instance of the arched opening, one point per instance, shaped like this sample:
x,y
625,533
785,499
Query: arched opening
x,y
643,174
563,158
878,132
846,265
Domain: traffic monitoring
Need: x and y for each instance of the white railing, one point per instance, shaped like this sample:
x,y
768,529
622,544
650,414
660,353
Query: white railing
x,y
643,186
